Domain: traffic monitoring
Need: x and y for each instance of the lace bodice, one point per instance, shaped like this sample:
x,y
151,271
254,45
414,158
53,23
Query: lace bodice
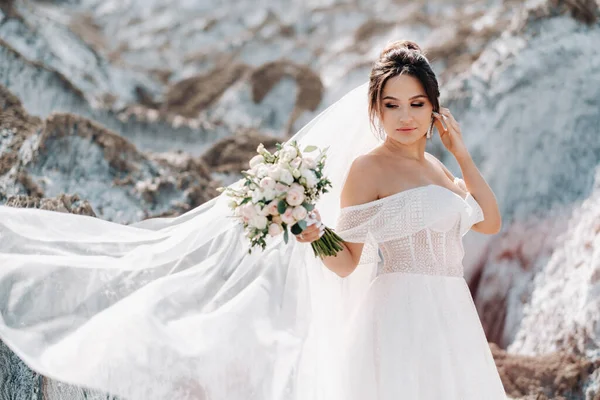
x,y
415,231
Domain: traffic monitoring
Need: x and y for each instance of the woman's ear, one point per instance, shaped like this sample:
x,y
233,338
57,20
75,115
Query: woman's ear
x,y
440,124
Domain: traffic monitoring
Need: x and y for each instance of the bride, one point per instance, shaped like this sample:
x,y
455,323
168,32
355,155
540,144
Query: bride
x,y
178,309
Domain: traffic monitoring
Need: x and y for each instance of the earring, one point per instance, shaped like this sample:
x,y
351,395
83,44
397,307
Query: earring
x,y
381,131
430,131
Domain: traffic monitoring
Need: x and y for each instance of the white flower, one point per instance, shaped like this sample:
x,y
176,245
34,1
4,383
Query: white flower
x,y
233,204
269,194
257,195
299,213
288,153
281,188
296,186
247,211
261,170
260,148
259,221
272,208
256,160
261,210
309,162
275,172
267,183
296,173
310,176
287,216
275,229
294,197
286,177
295,164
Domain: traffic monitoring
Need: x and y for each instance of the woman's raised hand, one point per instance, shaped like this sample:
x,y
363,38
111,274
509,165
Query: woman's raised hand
x,y
314,228
450,132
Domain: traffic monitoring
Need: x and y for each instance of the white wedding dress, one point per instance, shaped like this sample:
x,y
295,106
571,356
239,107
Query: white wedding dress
x,y
416,333
176,308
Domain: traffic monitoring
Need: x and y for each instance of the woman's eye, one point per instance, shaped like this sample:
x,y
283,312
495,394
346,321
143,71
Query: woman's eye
x,y
390,105
418,104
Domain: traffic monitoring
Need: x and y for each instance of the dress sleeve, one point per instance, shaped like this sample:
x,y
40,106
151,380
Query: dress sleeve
x,y
355,224
473,214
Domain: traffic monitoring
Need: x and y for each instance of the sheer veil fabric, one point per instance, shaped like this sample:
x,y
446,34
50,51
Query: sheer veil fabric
x,y
176,308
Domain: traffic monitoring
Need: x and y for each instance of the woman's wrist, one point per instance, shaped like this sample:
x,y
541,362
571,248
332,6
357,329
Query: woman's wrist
x,y
462,155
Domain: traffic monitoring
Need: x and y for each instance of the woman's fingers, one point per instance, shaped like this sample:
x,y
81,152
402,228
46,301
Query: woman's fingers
x,y
449,118
312,232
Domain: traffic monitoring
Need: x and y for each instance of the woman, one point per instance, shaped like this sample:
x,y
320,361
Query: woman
x,y
177,308
416,334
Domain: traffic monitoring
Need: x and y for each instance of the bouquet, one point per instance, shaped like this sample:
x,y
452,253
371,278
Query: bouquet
x,y
279,191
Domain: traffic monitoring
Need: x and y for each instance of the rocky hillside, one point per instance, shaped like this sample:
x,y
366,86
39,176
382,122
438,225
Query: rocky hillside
x,y
132,109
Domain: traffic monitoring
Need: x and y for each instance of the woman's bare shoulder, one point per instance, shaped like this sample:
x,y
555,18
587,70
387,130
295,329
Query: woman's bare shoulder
x,y
360,186
440,165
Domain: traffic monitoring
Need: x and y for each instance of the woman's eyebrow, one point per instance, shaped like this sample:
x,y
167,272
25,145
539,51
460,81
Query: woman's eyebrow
x,y
412,98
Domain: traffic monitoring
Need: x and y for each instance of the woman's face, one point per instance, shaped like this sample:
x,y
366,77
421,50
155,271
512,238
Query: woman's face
x,y
405,109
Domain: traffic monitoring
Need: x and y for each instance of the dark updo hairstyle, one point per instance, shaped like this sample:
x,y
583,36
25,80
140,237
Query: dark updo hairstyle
x,y
401,57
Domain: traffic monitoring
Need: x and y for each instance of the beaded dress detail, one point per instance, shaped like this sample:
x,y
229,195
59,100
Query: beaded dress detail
x,y
413,231
416,334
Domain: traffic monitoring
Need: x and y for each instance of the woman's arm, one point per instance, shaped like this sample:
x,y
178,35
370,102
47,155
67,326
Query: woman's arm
x,y
359,188
452,139
482,192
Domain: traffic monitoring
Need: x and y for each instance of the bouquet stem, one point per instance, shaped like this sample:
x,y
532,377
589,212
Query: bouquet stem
x,y
329,244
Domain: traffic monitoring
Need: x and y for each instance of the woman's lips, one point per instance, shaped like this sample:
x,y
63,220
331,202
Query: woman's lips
x,y
405,129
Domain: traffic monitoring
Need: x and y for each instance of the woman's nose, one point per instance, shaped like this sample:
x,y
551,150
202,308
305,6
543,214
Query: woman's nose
x,y
404,113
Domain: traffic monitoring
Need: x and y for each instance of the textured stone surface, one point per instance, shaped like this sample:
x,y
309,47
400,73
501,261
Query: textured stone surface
x,y
553,375
529,107
73,155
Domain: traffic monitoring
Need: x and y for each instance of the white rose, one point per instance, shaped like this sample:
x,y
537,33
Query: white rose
x,y
296,163
272,208
275,229
287,216
296,173
257,195
288,153
294,197
247,211
269,194
275,172
261,210
256,160
259,221
281,188
261,171
286,177
296,186
267,183
299,213
309,162
310,176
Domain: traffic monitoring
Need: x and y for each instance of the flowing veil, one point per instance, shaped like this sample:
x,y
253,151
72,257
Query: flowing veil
x,y
176,308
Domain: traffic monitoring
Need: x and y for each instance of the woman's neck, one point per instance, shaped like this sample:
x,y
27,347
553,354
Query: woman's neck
x,y
414,151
